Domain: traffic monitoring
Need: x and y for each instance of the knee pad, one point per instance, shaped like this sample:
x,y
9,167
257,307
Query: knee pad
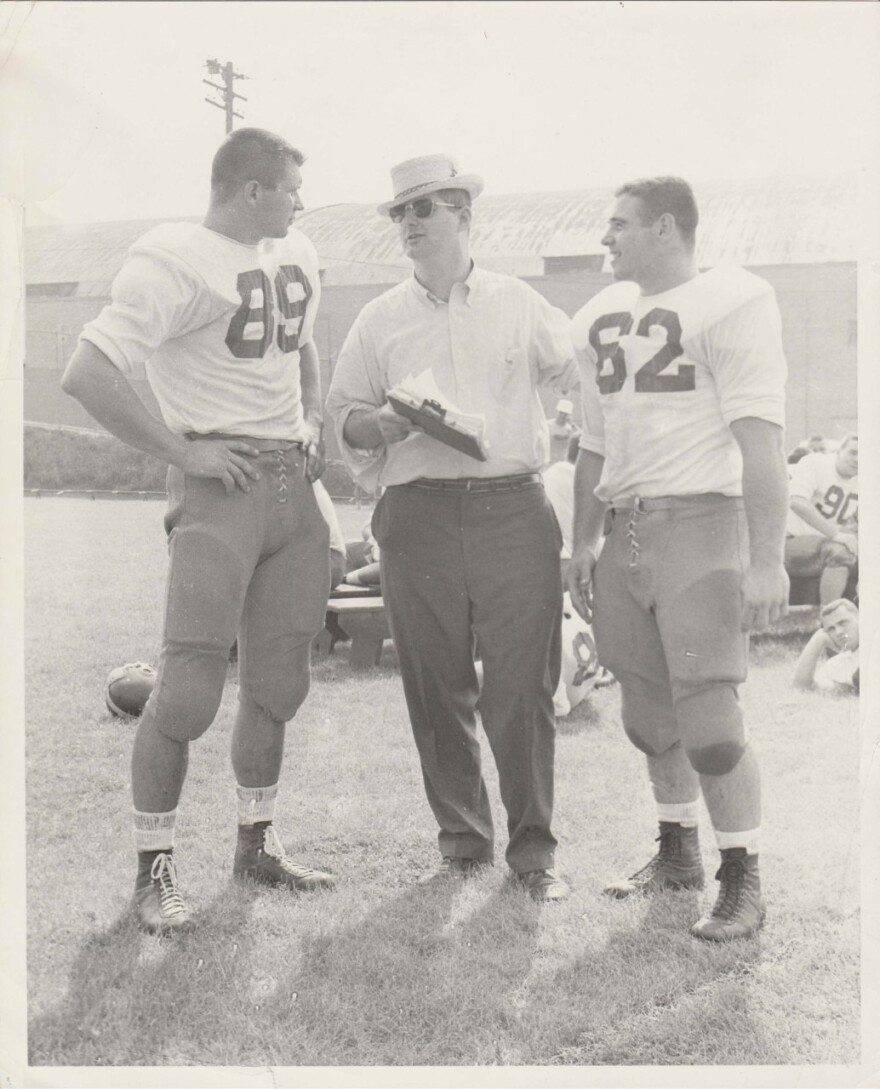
x,y
277,681
712,728
719,758
655,746
188,691
648,718
280,699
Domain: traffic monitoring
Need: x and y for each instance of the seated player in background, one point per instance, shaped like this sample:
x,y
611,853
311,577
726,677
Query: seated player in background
x,y
815,444
830,660
822,529
362,559
581,672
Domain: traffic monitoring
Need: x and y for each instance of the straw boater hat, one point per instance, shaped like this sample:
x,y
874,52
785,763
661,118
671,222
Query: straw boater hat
x,y
418,177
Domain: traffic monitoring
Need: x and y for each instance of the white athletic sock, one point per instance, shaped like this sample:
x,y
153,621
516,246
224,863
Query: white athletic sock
x,y
686,814
256,803
154,831
748,839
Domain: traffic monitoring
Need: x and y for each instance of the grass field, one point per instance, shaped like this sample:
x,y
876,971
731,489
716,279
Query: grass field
x,y
382,972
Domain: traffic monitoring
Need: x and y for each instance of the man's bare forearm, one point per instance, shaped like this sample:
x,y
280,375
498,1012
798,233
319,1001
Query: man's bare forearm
x,y
589,512
805,510
105,394
310,389
765,488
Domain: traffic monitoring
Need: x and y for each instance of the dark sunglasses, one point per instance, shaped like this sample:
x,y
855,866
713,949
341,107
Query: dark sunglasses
x,y
423,208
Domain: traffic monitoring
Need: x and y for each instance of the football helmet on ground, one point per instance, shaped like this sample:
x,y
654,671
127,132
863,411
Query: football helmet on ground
x,y
128,688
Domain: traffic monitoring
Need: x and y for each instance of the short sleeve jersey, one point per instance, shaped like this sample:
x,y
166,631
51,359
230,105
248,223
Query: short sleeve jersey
x,y
837,672
216,327
664,376
815,479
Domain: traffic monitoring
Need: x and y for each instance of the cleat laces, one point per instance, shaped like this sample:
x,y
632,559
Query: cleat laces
x,y
163,872
274,848
731,875
665,851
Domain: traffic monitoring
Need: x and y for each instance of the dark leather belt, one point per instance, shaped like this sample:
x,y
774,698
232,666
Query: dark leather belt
x,y
668,502
477,484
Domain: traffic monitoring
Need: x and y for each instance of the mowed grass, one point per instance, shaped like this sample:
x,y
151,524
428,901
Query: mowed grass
x,y
383,971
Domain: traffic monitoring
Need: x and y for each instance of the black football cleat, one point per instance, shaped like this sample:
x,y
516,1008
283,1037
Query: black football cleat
x,y
739,910
677,865
254,862
159,907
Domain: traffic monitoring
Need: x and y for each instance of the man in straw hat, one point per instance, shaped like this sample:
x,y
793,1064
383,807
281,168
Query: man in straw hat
x,y
469,548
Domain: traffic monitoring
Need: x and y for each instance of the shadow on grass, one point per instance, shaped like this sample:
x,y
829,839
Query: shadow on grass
x,y
424,979
661,997
129,995
406,984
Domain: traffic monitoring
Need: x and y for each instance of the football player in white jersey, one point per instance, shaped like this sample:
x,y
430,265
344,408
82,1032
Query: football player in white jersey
x,y
682,378
219,316
823,523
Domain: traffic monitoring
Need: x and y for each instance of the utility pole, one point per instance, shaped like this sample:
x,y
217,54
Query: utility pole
x,y
226,73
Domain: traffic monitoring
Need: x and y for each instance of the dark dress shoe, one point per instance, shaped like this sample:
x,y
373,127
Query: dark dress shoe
x,y
457,869
543,885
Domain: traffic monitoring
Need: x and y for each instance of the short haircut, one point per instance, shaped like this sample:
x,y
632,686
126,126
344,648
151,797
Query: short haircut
x,y
851,437
838,603
251,155
666,194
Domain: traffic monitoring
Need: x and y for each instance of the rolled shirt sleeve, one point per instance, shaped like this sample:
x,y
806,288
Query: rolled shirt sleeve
x,y
357,385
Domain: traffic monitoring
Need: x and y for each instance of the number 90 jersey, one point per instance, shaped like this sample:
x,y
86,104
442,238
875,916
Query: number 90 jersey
x,y
663,376
216,327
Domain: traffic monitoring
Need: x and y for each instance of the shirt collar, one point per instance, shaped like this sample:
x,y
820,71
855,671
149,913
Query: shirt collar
x,y
471,285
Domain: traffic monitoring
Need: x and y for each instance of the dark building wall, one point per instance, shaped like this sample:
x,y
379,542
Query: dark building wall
x,y
818,305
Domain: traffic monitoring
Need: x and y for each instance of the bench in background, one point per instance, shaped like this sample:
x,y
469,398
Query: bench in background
x,y
360,612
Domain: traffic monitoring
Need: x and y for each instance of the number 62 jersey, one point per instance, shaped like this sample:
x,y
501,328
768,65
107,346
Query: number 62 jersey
x,y
216,326
663,376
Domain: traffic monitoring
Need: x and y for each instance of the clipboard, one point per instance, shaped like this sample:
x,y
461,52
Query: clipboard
x,y
436,422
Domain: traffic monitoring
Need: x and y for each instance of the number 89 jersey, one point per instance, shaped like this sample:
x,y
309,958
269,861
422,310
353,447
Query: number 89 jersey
x,y
216,326
663,376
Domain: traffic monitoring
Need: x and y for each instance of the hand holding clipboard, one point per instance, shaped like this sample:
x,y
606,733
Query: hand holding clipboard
x,y
421,401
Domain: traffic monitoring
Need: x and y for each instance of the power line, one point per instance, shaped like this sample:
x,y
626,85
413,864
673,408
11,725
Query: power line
x,y
228,95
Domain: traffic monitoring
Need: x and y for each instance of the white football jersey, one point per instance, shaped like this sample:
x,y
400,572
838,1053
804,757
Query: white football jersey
x,y
580,664
815,479
663,376
216,326
838,671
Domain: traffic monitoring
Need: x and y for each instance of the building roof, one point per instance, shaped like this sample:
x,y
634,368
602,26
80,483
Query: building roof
x,y
779,221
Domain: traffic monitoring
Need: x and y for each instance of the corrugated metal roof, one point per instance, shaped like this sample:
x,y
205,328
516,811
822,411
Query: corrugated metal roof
x,y
753,222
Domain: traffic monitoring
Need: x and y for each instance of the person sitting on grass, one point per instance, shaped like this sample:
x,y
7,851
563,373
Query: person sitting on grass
x,y
362,559
830,660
